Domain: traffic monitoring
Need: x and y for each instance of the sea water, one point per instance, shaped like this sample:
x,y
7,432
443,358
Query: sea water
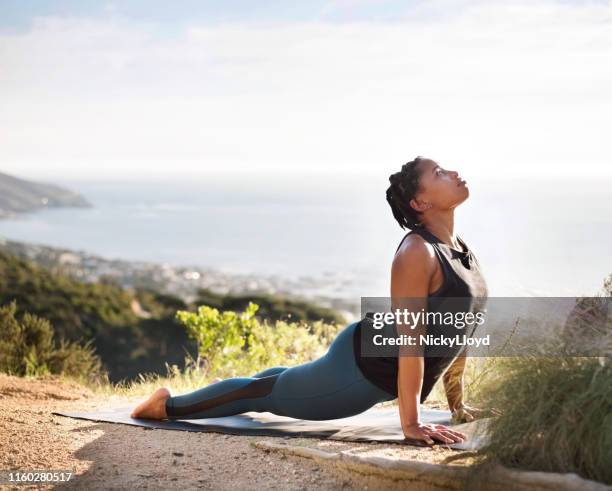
x,y
545,237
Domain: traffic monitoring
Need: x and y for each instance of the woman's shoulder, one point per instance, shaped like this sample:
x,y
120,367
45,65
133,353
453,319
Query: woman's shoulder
x,y
414,246
413,251
413,268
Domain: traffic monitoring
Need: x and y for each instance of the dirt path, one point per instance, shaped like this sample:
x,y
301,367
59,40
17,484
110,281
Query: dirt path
x,y
113,456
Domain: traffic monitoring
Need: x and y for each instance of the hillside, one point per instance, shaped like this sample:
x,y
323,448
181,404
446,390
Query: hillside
x,y
133,330
19,196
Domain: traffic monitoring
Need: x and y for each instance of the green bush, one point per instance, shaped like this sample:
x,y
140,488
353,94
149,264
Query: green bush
x,y
27,348
76,360
234,344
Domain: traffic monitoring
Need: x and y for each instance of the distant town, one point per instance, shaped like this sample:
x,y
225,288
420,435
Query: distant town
x,y
183,281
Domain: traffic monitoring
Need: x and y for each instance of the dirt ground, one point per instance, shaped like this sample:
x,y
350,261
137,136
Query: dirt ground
x,y
115,456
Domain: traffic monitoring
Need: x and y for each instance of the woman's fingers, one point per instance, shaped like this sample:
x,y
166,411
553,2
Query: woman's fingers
x,y
445,434
467,414
418,433
429,433
458,434
463,415
441,436
452,438
455,433
475,412
434,434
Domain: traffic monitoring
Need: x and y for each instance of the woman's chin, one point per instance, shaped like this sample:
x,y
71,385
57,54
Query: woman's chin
x,y
463,196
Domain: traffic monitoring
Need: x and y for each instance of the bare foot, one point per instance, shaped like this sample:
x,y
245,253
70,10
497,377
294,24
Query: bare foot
x,y
154,407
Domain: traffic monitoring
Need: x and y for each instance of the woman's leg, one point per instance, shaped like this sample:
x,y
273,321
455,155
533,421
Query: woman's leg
x,y
331,387
328,388
270,371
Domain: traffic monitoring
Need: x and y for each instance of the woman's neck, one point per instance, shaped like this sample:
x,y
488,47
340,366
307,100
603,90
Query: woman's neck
x,y
443,226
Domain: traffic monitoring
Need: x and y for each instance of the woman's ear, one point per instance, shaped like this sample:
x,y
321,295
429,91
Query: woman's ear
x,y
419,205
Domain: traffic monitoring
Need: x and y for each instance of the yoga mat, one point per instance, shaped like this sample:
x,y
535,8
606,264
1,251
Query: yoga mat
x,y
373,425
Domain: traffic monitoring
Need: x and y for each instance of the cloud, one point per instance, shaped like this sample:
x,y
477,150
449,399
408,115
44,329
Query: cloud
x,y
522,87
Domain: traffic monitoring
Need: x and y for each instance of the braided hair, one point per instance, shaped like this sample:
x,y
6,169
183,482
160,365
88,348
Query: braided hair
x,y
404,186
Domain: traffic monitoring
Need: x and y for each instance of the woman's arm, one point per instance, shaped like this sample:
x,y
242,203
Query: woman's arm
x,y
411,274
453,383
453,386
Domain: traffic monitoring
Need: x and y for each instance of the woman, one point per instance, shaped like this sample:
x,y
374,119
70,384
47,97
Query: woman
x,y
431,261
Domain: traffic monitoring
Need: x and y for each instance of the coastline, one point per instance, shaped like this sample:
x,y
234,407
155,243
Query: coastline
x,y
182,281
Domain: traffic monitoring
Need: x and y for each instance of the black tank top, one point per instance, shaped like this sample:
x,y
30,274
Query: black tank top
x,y
462,278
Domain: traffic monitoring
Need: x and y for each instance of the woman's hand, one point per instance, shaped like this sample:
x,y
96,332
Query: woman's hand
x,y
430,432
465,413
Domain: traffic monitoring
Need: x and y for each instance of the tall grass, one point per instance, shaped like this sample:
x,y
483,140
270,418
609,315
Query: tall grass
x,y
556,410
557,415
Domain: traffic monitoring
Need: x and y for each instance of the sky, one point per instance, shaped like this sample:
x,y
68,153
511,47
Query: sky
x,y
157,89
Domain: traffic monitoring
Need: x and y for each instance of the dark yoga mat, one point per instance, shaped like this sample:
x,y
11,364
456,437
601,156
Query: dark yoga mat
x,y
373,425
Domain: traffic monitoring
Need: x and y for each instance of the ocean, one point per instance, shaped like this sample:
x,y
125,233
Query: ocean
x,y
533,237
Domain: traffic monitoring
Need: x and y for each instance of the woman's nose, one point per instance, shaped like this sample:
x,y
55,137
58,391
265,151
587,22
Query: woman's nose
x,y
455,174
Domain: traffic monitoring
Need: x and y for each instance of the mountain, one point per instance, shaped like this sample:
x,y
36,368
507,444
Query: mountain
x,y
19,196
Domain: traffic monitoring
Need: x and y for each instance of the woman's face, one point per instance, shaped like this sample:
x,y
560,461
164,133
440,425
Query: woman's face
x,y
439,187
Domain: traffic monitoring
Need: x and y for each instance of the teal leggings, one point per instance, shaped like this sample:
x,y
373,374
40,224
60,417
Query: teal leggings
x,y
328,388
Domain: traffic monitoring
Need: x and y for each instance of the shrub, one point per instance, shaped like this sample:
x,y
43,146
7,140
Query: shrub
x,y
27,348
234,344
76,360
